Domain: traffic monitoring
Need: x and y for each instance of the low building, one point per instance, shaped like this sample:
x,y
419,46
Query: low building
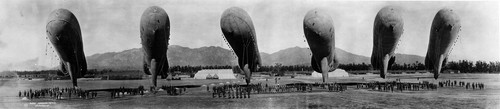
x,y
336,73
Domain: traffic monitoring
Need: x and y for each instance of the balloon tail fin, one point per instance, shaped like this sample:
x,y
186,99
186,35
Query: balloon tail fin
x,y
385,66
152,69
71,74
247,72
325,68
438,67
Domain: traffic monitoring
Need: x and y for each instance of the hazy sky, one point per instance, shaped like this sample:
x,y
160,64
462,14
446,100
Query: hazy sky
x,y
113,25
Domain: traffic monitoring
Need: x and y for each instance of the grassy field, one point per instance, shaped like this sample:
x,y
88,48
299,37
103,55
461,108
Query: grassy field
x,y
447,97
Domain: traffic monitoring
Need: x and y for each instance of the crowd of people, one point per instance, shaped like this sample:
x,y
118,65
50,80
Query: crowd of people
x,y
72,93
122,91
244,91
397,86
231,91
332,87
171,90
467,85
57,93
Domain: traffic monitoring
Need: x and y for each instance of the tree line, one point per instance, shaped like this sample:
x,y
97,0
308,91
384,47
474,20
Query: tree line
x,y
463,66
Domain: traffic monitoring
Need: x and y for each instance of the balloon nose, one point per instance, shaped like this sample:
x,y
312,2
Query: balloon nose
x,y
56,27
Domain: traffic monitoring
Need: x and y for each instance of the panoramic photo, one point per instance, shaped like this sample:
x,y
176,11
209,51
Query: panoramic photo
x,y
257,54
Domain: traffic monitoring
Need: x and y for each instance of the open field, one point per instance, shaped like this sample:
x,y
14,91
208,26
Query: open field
x,y
447,97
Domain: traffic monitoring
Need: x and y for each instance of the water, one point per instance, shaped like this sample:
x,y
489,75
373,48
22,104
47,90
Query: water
x,y
198,97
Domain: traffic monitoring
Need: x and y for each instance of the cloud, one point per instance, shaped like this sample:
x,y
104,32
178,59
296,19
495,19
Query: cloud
x,y
2,44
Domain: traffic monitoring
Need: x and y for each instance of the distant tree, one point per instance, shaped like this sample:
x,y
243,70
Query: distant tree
x,y
277,69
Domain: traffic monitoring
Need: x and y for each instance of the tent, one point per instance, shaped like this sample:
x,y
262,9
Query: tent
x,y
215,73
215,76
206,77
336,73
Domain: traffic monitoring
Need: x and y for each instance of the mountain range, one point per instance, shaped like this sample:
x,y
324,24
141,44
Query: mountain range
x,y
213,55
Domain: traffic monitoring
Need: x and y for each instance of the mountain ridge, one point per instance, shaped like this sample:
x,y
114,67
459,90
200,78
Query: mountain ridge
x,y
214,55
132,59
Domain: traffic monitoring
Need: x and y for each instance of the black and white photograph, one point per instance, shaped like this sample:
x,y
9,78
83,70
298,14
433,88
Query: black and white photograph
x,y
249,54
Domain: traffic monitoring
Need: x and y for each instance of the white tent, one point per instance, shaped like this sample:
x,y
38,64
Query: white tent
x,y
220,73
215,76
336,73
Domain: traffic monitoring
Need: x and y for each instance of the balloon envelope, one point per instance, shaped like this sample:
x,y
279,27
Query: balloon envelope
x,y
155,32
320,35
444,32
387,30
238,29
63,31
